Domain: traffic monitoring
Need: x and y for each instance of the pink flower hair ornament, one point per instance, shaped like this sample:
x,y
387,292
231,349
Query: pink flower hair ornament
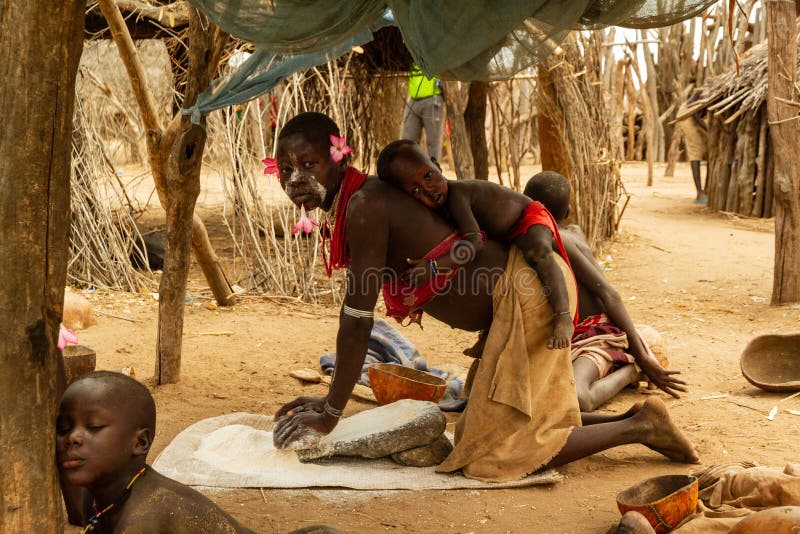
x,y
339,148
304,223
271,167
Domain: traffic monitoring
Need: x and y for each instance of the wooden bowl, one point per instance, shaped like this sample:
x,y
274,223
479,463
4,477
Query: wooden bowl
x,y
391,383
665,501
772,362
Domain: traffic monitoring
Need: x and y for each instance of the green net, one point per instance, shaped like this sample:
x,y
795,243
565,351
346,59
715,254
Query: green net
x,y
451,39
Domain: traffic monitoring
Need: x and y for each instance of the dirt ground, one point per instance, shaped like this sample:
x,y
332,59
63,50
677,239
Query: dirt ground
x,y
703,279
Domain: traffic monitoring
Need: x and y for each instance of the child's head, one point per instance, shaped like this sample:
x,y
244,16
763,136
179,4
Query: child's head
x,y
106,424
306,169
552,190
403,164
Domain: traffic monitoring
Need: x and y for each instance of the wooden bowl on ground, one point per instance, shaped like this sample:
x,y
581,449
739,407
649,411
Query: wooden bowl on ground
x,y
665,501
78,361
392,382
772,362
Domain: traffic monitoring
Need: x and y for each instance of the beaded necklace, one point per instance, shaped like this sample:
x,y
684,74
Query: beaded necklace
x,y
100,513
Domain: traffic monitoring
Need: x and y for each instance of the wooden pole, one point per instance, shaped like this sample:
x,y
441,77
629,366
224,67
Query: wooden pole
x,y
475,122
175,156
40,43
784,127
456,95
553,152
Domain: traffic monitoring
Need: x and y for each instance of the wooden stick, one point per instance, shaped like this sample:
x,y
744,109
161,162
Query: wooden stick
x,y
101,312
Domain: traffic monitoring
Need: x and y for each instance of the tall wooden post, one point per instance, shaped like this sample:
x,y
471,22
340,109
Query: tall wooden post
x,y
456,95
40,43
175,155
784,127
475,121
552,150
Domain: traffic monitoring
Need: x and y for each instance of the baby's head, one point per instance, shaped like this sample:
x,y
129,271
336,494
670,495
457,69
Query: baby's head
x,y
306,168
106,424
552,190
403,164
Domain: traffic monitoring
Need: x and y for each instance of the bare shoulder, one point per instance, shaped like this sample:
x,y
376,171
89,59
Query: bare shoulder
x,y
369,200
163,505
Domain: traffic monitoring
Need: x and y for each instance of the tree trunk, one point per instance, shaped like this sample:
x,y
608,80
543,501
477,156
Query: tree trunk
x,y
41,45
175,156
456,95
475,122
785,133
553,152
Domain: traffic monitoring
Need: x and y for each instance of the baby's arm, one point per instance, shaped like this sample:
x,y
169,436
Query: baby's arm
x,y
537,246
459,206
463,252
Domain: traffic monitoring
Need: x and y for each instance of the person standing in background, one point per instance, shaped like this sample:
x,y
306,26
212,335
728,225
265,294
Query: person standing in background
x,y
424,109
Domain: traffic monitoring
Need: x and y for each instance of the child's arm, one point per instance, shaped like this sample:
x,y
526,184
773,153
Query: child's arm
x,y
537,246
463,252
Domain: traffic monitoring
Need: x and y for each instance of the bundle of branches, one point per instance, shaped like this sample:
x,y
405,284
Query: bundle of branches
x,y
513,133
573,102
103,232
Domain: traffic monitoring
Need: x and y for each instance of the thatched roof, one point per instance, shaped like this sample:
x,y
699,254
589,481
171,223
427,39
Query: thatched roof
x,y
732,93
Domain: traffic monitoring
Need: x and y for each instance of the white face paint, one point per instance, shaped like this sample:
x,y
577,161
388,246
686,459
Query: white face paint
x,y
303,163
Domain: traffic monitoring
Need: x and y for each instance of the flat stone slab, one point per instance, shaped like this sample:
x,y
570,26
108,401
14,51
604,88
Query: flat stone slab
x,y
382,431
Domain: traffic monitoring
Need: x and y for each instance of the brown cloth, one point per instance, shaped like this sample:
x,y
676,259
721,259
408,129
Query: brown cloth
x,y
729,492
522,403
694,136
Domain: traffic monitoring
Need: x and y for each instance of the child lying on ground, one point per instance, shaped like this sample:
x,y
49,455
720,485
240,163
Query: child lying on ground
x,y
606,343
475,206
105,427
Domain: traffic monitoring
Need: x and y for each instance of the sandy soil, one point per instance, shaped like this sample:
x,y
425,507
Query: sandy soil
x,y
704,279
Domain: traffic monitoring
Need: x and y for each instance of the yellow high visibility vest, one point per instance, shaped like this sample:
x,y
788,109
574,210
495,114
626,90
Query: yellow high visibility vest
x,y
420,86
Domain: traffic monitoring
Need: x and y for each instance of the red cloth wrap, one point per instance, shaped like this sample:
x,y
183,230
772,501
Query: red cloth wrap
x,y
536,213
339,249
599,325
404,300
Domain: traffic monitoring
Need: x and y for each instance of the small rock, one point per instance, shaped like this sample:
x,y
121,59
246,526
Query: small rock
x,y
382,431
211,306
425,456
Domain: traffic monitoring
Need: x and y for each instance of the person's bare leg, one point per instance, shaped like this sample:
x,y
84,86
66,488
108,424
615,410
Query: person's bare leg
x,y
698,184
651,426
593,391
597,418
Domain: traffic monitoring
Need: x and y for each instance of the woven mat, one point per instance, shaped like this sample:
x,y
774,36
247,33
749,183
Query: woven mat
x,y
178,461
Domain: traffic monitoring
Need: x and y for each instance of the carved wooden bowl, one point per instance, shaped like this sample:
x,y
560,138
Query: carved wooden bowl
x,y
665,501
391,383
772,362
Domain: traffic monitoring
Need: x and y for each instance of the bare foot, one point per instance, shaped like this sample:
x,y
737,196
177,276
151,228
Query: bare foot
x,y
632,523
662,435
632,410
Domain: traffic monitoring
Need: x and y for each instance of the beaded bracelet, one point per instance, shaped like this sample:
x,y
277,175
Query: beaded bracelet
x,y
434,267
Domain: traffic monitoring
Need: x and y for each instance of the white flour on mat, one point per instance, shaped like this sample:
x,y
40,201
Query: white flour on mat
x,y
243,449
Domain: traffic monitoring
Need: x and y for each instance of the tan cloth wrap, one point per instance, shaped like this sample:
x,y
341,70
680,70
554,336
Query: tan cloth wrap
x,y
522,403
695,138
